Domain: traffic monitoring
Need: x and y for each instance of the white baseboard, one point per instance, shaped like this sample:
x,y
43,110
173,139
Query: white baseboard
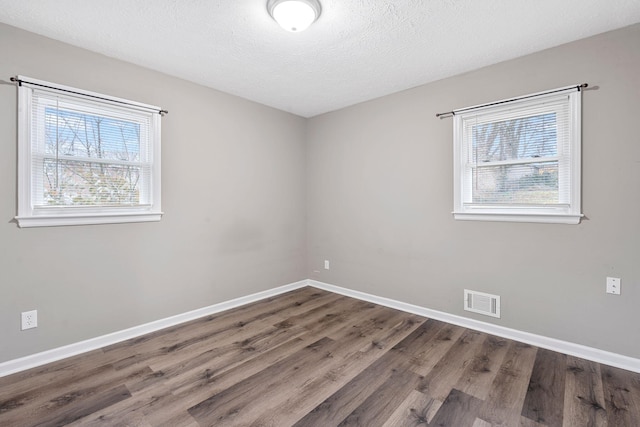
x,y
578,350
589,353
38,359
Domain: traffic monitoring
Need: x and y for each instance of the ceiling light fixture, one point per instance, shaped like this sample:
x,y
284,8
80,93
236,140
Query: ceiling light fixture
x,y
294,15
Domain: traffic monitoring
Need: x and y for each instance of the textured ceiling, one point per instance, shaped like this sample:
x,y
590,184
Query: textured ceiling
x,y
358,49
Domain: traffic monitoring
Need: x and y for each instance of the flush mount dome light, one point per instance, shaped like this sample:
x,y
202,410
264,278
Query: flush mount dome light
x,y
294,15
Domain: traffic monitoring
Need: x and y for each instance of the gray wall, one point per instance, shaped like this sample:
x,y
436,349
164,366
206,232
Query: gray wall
x,y
233,193
380,188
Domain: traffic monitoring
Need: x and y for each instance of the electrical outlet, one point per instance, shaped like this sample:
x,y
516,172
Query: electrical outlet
x,y
29,319
613,285
326,264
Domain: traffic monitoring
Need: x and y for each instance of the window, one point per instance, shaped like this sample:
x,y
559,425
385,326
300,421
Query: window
x,y
85,158
519,160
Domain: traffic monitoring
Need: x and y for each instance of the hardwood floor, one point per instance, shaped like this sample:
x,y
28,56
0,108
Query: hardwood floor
x,y
313,358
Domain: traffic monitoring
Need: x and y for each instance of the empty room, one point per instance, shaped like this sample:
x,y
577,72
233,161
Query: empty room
x,y
320,213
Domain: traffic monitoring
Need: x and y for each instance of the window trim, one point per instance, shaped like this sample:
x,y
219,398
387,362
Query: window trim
x,y
561,213
29,215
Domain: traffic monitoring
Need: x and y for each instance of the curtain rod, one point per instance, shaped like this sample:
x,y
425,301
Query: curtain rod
x,y
20,81
453,112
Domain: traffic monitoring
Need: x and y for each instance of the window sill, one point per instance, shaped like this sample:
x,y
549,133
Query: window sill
x,y
507,217
85,219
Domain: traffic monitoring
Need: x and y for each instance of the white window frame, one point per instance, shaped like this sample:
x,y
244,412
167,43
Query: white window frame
x,y
567,211
31,213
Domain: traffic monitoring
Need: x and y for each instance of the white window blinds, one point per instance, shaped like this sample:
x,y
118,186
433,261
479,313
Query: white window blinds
x,y
85,154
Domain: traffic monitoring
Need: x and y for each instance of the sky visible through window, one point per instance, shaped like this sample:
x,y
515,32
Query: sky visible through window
x,y
90,160
516,142
73,133
521,138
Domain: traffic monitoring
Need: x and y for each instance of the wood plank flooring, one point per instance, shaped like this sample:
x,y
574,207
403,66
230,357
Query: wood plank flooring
x,y
313,358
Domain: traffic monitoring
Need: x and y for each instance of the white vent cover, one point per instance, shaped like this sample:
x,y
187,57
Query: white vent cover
x,y
482,303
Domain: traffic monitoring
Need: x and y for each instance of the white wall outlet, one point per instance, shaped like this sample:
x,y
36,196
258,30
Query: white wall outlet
x,y
326,264
29,319
613,285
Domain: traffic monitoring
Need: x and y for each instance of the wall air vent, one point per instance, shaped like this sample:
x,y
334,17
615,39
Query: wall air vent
x,y
482,303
